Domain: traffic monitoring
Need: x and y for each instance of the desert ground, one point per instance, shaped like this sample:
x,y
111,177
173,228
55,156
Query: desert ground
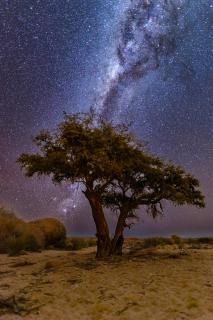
x,y
163,283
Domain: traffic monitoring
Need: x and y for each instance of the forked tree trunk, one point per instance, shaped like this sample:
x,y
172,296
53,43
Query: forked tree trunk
x,y
118,240
102,230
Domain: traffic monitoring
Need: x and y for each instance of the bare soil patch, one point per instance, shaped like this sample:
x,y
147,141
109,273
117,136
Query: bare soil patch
x,y
163,283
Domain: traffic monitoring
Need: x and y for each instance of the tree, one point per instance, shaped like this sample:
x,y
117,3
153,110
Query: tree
x,y
147,181
114,170
84,149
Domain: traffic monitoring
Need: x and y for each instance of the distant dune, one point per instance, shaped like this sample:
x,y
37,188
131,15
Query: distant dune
x,y
164,282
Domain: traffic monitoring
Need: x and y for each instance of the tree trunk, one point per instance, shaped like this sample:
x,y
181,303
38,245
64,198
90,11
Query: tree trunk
x,y
118,240
102,230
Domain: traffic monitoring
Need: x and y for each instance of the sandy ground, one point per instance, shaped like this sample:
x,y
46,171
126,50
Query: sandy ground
x,y
157,284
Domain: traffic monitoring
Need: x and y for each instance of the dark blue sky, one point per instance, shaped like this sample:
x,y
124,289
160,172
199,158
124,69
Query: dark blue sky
x,y
60,56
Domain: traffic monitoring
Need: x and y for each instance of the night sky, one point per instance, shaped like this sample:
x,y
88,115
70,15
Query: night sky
x,y
144,61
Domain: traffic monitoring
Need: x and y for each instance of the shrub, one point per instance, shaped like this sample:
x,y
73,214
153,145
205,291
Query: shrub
x,y
16,235
192,241
68,244
156,241
92,242
10,229
53,230
205,240
79,243
15,246
34,238
197,243
176,239
26,241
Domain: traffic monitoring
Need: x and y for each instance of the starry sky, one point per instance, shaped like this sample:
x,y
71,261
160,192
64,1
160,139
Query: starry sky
x,y
144,61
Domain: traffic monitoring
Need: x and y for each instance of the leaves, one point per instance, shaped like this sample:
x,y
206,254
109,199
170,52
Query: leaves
x,y
148,181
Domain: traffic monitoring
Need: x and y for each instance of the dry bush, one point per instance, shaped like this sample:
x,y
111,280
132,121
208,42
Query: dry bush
x,y
80,243
161,241
34,233
10,227
92,242
199,243
205,240
27,240
53,230
16,235
178,241
155,241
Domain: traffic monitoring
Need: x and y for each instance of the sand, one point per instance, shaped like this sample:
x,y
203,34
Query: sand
x,y
152,284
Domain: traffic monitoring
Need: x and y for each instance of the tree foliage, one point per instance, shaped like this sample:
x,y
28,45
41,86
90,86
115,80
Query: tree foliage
x,y
148,183
84,148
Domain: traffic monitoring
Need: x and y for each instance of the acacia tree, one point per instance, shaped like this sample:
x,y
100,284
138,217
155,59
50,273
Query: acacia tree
x,y
147,181
113,169
84,149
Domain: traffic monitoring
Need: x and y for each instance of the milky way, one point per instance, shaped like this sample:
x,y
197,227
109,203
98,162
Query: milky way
x,y
148,33
148,62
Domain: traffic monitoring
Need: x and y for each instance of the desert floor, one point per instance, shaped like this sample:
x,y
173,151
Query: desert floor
x,y
153,284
